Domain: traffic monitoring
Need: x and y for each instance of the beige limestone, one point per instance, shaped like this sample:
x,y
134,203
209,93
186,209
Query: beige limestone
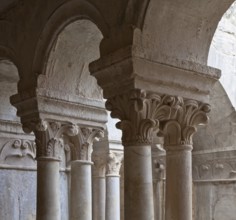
x,y
81,190
159,46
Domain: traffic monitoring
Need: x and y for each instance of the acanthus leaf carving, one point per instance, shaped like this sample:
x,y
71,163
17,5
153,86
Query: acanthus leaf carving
x,y
49,137
186,115
99,164
114,162
139,113
82,143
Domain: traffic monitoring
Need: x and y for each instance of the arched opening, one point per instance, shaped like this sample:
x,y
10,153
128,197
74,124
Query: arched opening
x,y
215,146
17,152
222,52
67,81
67,67
8,86
180,31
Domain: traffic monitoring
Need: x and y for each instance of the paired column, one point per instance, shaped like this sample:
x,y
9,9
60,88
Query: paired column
x,y
114,160
99,185
81,175
49,147
140,115
138,112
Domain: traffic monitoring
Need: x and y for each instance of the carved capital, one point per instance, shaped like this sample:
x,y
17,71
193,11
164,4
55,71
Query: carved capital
x,y
139,113
83,143
186,115
49,137
99,164
114,162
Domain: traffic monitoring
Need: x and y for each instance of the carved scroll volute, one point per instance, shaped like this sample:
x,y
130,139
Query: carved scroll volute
x,y
49,138
139,113
186,115
114,162
99,164
40,130
81,144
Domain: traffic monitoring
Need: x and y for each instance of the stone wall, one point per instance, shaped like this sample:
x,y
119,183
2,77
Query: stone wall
x,y
214,153
18,175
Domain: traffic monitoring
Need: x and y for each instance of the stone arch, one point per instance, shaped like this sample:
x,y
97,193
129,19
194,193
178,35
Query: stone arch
x,y
222,53
63,16
220,132
8,54
66,69
8,86
179,30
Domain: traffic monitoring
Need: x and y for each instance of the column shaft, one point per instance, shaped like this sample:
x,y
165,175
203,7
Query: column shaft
x,y
81,191
158,200
99,193
138,183
112,197
48,189
179,184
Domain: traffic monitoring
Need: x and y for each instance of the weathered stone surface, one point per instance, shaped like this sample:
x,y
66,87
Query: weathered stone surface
x,y
217,200
66,57
17,195
222,52
167,43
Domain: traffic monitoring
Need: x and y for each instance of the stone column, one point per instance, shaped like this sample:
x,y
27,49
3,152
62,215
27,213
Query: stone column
x,y
113,186
178,132
124,75
99,185
158,190
49,146
138,183
48,189
81,175
81,190
138,112
158,170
